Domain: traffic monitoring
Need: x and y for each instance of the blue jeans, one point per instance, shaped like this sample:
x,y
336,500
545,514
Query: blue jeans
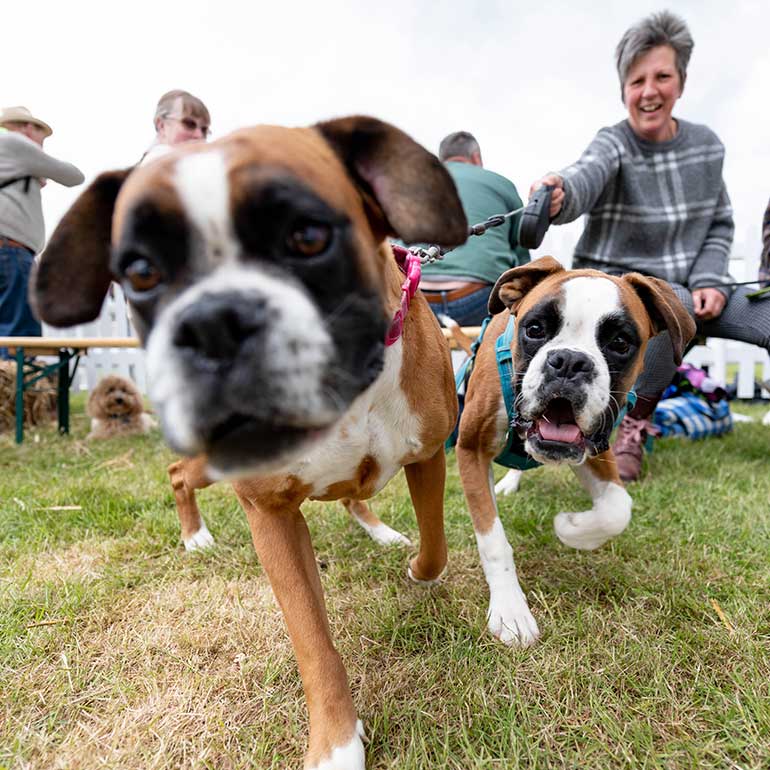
x,y
470,310
16,319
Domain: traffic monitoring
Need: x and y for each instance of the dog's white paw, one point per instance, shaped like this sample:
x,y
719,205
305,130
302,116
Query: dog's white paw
x,y
385,535
511,622
766,419
509,483
347,757
589,530
200,540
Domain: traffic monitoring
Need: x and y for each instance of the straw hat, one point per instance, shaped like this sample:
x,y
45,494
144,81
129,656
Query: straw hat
x,y
22,115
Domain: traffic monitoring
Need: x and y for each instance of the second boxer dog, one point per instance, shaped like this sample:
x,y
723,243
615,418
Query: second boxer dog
x,y
269,301
578,347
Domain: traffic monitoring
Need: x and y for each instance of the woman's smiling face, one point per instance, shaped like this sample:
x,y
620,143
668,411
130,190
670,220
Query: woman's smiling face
x,y
652,87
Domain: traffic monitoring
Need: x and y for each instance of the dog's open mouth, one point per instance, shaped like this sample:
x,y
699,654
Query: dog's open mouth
x,y
557,424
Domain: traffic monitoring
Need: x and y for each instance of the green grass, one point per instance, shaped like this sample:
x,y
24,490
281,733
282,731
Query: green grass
x,y
119,650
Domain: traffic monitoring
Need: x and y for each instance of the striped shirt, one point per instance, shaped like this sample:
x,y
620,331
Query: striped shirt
x,y
660,208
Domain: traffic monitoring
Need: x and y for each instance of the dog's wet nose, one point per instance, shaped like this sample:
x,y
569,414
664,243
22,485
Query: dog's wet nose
x,y
571,365
217,325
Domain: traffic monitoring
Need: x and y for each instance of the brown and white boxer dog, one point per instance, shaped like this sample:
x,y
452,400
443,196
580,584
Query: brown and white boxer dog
x,y
262,286
577,350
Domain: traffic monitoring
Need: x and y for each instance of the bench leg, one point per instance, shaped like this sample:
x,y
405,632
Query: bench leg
x,y
63,392
19,395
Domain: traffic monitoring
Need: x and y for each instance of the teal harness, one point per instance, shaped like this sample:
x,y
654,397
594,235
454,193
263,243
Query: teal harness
x,y
513,455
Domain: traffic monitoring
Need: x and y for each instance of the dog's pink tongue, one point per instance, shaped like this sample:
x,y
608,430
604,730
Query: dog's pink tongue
x,y
567,432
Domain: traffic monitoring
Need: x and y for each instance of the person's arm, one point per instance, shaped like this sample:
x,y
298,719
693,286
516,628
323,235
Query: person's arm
x,y
764,262
712,263
579,186
33,161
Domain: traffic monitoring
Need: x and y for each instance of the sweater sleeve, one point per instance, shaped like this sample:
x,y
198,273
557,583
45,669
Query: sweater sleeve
x,y
587,179
712,263
764,262
34,162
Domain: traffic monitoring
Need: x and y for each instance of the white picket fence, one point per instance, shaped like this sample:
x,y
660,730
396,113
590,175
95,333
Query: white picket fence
x,y
717,355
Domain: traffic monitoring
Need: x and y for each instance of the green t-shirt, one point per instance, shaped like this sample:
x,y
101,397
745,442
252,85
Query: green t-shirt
x,y
483,257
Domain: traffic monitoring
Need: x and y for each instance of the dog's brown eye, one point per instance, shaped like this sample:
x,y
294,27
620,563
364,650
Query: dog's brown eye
x,y
142,275
535,330
619,344
309,240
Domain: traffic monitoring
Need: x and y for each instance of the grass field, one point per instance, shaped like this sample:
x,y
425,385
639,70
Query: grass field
x,y
119,650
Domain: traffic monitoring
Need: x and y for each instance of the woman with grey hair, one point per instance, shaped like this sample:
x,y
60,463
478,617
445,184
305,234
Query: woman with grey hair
x,y
652,189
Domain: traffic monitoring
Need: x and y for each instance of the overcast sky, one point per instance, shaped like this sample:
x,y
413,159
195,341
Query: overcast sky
x,y
533,84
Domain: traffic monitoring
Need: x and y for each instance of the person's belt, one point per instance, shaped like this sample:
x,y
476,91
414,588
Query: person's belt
x,y
9,242
437,296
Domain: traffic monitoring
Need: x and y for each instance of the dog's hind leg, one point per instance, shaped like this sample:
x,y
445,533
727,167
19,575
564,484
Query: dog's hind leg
x,y
282,542
426,481
509,617
187,475
611,509
379,532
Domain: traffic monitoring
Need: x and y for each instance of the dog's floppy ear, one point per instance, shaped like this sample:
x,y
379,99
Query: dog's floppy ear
x,y
666,312
72,277
513,284
407,191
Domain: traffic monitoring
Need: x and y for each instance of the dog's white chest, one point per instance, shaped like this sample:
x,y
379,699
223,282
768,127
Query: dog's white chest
x,y
380,424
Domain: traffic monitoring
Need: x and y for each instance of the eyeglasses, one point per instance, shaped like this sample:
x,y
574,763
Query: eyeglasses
x,y
191,124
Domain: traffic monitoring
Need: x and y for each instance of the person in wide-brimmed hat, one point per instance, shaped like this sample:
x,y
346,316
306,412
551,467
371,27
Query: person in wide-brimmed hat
x,y
24,167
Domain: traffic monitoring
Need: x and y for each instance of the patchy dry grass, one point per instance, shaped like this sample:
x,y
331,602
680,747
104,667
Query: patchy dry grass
x,y
118,650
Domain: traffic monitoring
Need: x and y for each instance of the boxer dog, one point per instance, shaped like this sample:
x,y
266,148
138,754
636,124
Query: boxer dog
x,y
262,286
577,350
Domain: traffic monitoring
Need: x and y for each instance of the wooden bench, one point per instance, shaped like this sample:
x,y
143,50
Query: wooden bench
x,y
69,350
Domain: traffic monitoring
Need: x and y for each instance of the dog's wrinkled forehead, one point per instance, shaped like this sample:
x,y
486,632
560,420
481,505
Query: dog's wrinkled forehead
x,y
206,185
577,297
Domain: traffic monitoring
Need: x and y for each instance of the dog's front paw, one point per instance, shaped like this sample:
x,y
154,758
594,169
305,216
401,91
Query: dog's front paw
x,y
512,622
350,756
509,483
589,530
200,540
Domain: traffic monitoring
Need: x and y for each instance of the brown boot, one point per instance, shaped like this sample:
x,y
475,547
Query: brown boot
x,y
633,433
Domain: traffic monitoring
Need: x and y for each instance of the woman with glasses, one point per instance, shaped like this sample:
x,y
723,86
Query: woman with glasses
x,y
179,117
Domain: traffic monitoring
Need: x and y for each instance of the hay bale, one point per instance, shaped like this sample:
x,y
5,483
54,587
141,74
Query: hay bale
x,y
39,402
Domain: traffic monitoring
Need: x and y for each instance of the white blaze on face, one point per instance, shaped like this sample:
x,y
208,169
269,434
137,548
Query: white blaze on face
x,y
586,301
203,187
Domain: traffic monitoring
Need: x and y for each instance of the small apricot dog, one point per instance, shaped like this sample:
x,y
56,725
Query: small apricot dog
x,y
116,408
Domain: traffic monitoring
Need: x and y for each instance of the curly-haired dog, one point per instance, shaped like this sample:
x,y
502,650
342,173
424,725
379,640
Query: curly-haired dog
x,y
116,409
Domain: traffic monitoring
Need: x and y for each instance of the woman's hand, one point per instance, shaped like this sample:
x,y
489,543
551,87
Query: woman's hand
x,y
709,303
557,196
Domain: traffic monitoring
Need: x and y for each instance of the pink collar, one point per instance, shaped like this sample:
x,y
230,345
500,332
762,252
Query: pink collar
x,y
409,264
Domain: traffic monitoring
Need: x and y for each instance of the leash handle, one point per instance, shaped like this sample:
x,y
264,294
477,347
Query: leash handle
x,y
535,218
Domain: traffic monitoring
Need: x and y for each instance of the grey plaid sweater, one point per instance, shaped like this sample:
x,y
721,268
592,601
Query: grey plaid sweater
x,y
657,207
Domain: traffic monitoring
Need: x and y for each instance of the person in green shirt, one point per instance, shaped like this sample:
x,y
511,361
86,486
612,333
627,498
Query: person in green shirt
x,y
460,283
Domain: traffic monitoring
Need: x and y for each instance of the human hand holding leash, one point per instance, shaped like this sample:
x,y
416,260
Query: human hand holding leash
x,y
557,196
709,303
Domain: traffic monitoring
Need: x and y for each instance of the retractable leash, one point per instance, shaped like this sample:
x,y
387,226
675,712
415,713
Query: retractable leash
x,y
533,224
